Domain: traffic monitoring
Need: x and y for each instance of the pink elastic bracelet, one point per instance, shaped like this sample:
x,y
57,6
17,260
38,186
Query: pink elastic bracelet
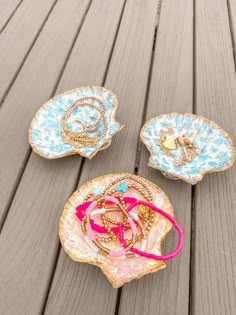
x,y
164,214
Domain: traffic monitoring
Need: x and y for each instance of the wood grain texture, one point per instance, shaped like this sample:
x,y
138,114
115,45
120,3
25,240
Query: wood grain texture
x,y
34,85
7,9
17,38
214,284
167,291
232,21
127,77
29,240
29,247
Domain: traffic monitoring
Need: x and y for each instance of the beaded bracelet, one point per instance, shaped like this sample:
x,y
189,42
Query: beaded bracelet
x,y
80,138
90,227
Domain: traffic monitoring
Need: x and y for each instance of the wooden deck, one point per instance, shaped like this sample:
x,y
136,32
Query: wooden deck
x,y
157,57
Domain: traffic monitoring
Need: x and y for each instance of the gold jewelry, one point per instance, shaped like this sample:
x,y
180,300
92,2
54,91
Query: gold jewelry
x,y
81,138
169,143
143,225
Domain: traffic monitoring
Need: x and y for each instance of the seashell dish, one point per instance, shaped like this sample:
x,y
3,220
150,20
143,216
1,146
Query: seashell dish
x,y
187,146
79,121
118,223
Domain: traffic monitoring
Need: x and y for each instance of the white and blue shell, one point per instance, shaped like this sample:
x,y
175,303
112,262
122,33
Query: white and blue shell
x,y
215,149
45,129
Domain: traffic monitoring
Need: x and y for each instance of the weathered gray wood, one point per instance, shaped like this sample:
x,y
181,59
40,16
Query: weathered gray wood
x,y
29,239
7,9
167,291
29,242
33,87
17,38
127,77
214,284
232,21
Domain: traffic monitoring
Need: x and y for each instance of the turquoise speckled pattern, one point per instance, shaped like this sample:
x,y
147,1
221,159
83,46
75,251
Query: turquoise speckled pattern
x,y
215,150
45,130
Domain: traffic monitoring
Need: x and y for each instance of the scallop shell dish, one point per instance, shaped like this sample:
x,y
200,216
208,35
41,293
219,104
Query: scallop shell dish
x,y
118,223
187,146
79,121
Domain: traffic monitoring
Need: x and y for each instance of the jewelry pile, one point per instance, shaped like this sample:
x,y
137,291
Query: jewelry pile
x,y
168,143
84,137
81,121
112,201
118,222
187,146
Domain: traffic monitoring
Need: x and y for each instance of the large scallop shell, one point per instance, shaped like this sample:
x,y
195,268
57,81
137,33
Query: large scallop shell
x,y
214,148
45,129
117,270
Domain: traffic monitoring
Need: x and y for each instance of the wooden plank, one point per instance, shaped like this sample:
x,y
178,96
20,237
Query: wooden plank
x,y
18,37
215,235
7,9
34,85
167,291
232,21
29,240
127,77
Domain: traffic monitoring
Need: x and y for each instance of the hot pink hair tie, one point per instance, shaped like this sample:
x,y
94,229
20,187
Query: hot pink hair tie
x,y
164,214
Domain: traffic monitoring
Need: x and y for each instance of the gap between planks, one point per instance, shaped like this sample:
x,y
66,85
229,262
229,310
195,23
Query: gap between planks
x,y
10,16
139,145
192,228
232,30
